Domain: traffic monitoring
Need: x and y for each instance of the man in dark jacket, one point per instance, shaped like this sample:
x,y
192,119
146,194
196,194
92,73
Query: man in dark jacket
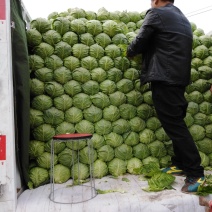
x,y
165,42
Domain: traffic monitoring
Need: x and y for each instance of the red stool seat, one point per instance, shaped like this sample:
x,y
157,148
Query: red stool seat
x,y
72,136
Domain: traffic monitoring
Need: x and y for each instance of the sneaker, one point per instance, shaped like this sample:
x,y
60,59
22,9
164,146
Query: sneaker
x,y
174,170
192,184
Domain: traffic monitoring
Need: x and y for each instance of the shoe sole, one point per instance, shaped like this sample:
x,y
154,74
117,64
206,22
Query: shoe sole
x,y
180,175
189,192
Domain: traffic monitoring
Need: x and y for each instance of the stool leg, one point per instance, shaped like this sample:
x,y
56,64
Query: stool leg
x,y
90,148
52,169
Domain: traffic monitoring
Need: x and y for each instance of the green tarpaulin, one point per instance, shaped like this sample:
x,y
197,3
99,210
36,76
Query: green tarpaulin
x,y
21,88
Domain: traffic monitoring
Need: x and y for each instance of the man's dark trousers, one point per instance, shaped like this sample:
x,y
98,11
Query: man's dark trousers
x,y
170,105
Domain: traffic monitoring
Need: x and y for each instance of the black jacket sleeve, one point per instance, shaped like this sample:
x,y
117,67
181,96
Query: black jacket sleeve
x,y
141,42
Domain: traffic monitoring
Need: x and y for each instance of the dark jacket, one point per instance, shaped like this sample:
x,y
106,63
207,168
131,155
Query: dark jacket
x,y
165,41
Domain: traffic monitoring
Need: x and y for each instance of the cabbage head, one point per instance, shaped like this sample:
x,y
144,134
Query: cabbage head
x,y
59,146
53,116
67,157
147,136
84,126
36,148
208,131
98,75
42,102
127,111
34,37
36,87
106,63
153,123
54,89
133,165
144,111
113,139
206,108
81,75
80,50
87,155
41,24
141,151
100,100
90,87
79,171
44,50
103,127
44,160
36,118
52,37
107,86
100,169
61,173
120,126
97,141
117,98
44,74
73,115
200,119
111,113
94,27
134,98
125,85
72,88
35,62
193,108
96,51
123,152
161,135
62,75
150,159
111,28
78,26
114,74
201,52
117,167
106,153
38,176
165,161
205,145
61,25
157,149
131,138
92,114
63,102
197,132
44,132
102,39
63,49
82,101
137,124
76,144
204,159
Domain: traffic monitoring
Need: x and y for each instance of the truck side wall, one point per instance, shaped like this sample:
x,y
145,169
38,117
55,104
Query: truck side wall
x,y
8,192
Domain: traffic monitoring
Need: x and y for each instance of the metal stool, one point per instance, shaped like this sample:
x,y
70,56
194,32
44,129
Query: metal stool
x,y
67,194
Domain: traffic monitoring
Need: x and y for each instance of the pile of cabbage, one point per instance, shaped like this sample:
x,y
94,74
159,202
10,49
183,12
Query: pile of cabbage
x,y
82,82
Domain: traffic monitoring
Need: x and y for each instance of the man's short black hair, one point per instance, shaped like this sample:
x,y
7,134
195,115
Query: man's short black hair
x,y
172,1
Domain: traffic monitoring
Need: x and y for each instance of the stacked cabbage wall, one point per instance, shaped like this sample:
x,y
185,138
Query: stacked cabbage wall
x,y
81,82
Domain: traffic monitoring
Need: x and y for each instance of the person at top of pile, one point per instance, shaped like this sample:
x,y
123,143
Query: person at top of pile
x,y
165,42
